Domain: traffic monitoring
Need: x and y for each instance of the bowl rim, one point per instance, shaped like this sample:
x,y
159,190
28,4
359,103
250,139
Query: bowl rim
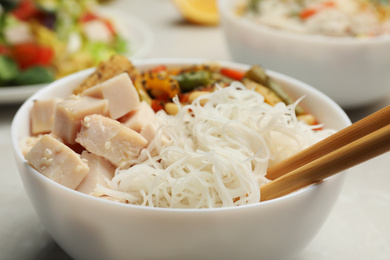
x,y
25,107
226,12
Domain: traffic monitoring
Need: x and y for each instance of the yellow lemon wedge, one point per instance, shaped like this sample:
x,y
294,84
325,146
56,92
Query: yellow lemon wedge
x,y
203,12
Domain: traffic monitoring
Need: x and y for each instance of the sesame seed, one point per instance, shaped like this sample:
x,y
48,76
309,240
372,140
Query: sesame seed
x,y
47,153
49,161
43,161
59,148
86,121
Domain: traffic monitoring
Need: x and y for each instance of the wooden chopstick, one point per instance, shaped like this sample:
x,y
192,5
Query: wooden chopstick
x,y
349,155
349,134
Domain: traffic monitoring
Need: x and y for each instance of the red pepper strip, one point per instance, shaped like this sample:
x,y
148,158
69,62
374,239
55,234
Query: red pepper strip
x,y
159,68
233,74
328,4
110,26
88,16
156,105
306,13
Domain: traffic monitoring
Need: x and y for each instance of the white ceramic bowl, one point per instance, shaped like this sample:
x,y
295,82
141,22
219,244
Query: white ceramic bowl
x,y
353,72
91,228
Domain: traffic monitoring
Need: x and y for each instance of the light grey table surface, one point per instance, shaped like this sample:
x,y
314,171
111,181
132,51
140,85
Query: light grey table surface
x,y
357,228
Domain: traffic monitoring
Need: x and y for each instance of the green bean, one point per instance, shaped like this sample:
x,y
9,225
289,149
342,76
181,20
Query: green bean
x,y
188,81
258,74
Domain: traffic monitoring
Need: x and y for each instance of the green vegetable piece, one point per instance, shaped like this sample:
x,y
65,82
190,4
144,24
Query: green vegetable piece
x,y
258,74
284,96
8,69
35,75
121,45
188,81
99,51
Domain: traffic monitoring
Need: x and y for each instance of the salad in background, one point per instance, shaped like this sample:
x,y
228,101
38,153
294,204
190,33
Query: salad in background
x,y
42,40
345,18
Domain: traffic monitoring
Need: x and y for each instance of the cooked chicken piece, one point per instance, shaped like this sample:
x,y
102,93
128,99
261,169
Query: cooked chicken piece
x,y
116,65
69,114
119,91
42,115
100,171
57,161
149,131
139,117
27,143
112,140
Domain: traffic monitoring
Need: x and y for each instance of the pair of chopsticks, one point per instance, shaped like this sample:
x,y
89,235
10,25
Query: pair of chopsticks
x,y
352,145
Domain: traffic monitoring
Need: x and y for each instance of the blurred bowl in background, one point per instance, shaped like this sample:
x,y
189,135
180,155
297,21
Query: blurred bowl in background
x,y
352,71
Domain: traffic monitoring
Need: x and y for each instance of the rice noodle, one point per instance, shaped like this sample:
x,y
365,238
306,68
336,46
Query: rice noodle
x,y
215,155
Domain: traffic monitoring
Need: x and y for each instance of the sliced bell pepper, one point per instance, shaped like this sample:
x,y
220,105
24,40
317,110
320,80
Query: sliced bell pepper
x,y
233,74
160,82
306,13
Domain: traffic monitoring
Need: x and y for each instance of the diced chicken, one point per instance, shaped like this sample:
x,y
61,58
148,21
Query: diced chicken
x,y
100,171
116,65
18,33
70,113
149,131
57,161
139,117
97,30
119,91
42,115
28,142
112,140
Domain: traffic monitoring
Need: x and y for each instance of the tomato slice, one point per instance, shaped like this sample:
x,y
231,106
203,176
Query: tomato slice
x,y
30,54
4,50
25,10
